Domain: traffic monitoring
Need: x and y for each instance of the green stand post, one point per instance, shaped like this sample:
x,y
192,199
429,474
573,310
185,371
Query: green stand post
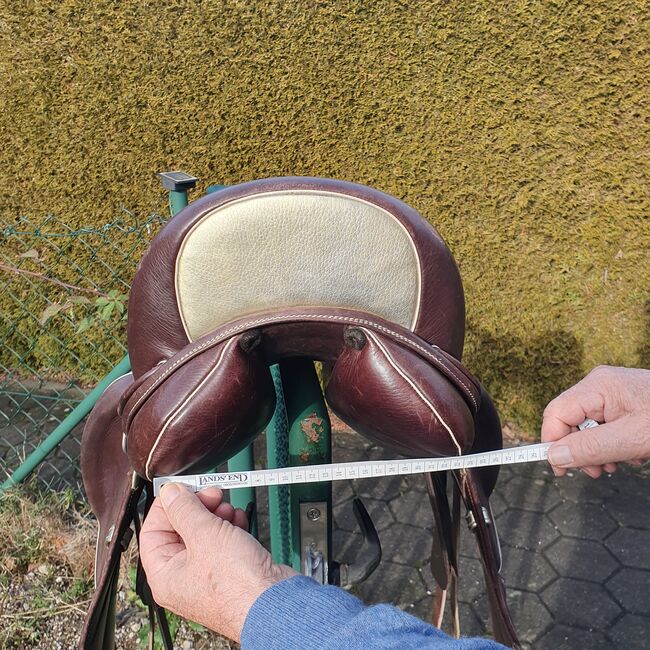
x,y
241,497
178,184
177,201
277,455
243,461
309,444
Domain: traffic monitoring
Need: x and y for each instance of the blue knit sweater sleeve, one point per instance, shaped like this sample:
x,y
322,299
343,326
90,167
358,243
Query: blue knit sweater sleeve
x,y
300,614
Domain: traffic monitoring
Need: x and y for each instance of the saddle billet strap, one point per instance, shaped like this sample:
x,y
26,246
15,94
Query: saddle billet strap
x,y
99,628
442,558
455,535
465,383
113,493
445,549
155,611
482,524
475,487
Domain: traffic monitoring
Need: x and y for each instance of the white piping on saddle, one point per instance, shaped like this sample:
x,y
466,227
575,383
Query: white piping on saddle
x,y
184,404
117,379
275,318
415,388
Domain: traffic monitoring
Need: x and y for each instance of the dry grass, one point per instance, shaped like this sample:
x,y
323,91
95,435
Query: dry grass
x,y
39,528
47,551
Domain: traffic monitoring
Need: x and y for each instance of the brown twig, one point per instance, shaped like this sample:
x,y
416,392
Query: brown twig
x,y
41,276
45,612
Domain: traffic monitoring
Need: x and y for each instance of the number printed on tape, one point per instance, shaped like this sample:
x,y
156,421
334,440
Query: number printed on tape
x,y
358,470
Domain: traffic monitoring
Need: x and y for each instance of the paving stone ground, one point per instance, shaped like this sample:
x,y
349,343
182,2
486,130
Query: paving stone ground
x,y
576,551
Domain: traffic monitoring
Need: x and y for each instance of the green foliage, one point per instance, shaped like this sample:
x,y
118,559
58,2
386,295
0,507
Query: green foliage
x,y
105,308
518,128
173,620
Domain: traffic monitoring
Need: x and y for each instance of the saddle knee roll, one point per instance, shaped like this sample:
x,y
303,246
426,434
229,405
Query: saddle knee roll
x,y
395,397
203,413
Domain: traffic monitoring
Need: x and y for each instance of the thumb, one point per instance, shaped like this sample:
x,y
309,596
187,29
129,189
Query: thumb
x,y
187,515
607,443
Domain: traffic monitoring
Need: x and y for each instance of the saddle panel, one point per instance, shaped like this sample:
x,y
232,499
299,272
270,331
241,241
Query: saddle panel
x,y
291,242
105,469
395,397
204,412
219,388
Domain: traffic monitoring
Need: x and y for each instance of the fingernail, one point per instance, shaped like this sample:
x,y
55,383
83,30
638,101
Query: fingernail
x,y
169,492
560,455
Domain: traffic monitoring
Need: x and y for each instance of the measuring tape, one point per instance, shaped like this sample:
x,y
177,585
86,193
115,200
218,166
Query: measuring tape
x,y
361,469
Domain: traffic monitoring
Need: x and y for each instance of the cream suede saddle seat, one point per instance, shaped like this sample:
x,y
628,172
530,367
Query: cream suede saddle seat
x,y
280,268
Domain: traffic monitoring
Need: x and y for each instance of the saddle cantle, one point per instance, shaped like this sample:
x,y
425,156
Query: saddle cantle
x,y
280,268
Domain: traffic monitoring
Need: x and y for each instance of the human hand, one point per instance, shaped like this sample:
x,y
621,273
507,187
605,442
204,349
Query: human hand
x,y
200,561
617,397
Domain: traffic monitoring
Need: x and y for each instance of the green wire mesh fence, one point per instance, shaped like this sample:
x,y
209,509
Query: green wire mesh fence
x,y
63,293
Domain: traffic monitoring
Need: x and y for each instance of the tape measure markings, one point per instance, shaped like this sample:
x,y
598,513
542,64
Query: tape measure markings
x,y
356,470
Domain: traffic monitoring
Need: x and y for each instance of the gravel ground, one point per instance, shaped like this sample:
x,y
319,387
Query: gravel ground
x,y
35,616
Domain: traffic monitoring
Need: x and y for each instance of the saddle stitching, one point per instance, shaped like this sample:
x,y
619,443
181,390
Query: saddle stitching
x,y
183,405
395,365
270,319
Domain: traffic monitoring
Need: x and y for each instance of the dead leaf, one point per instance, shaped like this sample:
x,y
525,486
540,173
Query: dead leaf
x,y
79,300
48,312
31,254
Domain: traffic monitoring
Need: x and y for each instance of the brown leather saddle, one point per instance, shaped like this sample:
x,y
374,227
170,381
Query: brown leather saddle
x,y
279,268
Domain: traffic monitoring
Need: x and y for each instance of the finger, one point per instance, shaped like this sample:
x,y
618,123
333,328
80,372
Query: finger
x,y
554,427
594,471
225,511
211,498
158,541
186,513
607,443
156,520
240,519
610,468
568,410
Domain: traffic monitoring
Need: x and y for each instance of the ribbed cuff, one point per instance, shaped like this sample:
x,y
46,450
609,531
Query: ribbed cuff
x,y
297,613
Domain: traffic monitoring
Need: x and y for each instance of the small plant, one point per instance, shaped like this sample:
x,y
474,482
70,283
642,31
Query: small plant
x,y
173,620
105,307
67,306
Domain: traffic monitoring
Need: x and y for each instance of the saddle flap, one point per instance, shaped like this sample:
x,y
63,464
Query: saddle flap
x,y
395,397
107,478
